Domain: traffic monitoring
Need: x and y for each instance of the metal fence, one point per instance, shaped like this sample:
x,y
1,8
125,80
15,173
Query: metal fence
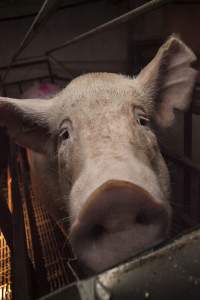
x,y
35,258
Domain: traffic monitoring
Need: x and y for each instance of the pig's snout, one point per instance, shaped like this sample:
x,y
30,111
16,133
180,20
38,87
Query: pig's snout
x,y
118,220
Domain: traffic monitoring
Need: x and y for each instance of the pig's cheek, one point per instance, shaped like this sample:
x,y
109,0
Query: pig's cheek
x,y
152,147
64,161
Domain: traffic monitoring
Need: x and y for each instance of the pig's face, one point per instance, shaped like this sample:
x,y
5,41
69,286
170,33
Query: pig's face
x,y
112,176
119,184
105,133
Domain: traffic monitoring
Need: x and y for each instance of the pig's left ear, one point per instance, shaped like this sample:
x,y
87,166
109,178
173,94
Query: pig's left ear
x,y
26,121
169,80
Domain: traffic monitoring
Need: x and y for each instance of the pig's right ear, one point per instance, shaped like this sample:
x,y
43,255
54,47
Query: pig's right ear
x,y
26,122
168,80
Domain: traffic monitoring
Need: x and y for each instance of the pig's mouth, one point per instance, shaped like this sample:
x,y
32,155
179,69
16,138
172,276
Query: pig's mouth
x,y
119,220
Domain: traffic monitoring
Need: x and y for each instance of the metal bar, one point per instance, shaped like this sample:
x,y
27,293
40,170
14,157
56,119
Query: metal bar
x,y
20,88
5,218
4,91
151,5
22,289
22,64
42,281
25,80
195,193
143,277
47,9
170,272
60,65
50,71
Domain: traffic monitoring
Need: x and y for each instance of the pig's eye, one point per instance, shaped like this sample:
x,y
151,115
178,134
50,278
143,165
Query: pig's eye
x,y
141,118
65,130
64,134
143,121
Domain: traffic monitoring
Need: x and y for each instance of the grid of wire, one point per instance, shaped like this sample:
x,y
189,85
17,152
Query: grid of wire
x,y
5,255
54,255
5,270
55,260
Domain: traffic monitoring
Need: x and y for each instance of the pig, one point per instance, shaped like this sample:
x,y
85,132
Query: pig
x,y
94,154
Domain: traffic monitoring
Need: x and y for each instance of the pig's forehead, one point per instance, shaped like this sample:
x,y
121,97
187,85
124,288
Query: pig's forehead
x,y
100,89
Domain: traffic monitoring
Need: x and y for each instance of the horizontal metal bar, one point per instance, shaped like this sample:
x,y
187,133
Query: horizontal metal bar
x,y
170,270
151,5
26,80
21,64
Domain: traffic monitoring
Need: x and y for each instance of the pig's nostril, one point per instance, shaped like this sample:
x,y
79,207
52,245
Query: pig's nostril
x,y
97,231
143,218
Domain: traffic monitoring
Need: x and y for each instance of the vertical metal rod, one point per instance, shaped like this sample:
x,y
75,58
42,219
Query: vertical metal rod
x,y
20,88
5,217
50,71
187,153
21,288
42,281
4,91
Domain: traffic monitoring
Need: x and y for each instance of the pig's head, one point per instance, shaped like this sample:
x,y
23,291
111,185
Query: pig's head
x,y
111,174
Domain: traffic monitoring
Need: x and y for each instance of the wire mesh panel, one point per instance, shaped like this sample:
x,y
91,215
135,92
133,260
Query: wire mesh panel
x,y
5,270
53,250
5,255
50,263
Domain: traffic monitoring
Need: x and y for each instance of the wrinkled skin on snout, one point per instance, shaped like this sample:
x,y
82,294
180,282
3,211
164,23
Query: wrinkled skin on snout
x,y
94,155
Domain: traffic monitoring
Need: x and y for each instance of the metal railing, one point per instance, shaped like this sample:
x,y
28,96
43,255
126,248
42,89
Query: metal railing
x,y
26,267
